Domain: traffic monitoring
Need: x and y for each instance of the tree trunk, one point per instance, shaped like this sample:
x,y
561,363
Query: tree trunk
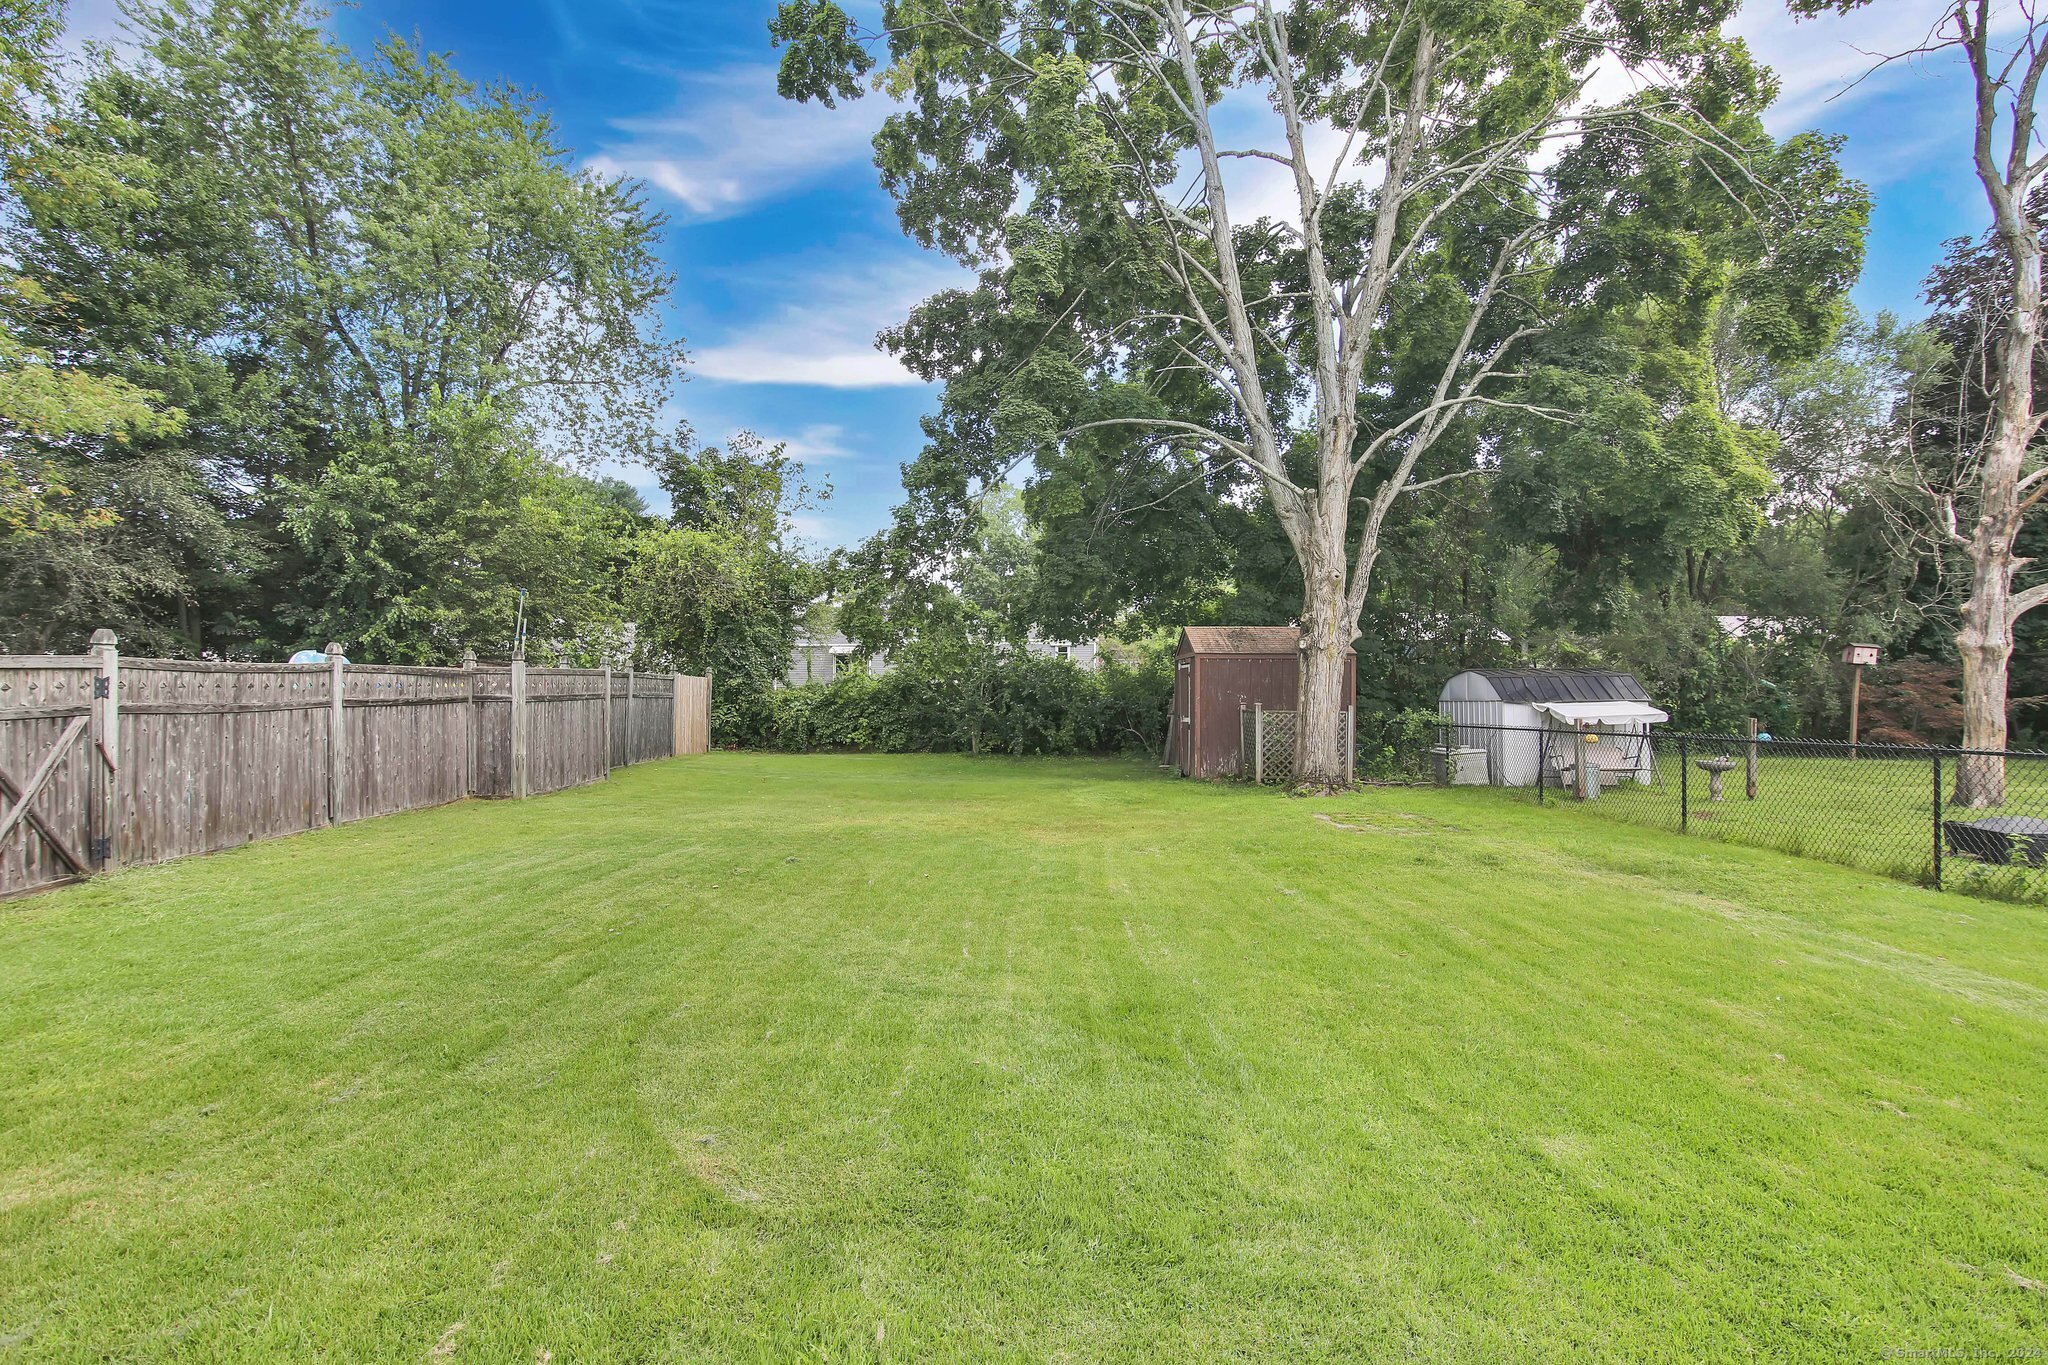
x,y
1980,779
1985,640
1327,625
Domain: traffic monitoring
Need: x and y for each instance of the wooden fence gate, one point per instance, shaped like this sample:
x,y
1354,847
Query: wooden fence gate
x,y
55,754
108,762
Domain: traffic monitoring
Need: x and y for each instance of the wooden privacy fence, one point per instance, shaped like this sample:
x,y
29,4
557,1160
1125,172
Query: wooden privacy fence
x,y
106,761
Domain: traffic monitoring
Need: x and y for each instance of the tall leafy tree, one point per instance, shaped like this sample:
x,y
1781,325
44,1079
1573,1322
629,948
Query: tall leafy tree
x,y
1936,468
720,589
1337,360
49,404
340,268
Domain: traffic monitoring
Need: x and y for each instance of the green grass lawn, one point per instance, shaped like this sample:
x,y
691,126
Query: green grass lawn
x,y
925,1058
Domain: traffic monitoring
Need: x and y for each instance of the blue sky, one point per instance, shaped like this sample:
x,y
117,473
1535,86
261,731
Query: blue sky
x,y
787,253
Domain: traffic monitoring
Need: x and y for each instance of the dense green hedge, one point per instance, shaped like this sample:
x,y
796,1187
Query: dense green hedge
x,y
1012,705
954,702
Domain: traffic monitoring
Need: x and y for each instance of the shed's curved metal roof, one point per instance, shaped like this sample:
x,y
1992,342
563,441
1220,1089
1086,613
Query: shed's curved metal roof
x,y
1563,684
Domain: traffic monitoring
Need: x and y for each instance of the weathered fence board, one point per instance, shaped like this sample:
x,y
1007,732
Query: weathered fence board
x,y
652,718
177,757
215,755
407,739
492,713
566,745
39,700
693,715
619,717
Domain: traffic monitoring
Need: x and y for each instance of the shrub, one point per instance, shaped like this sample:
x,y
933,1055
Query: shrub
x,y
1393,746
973,699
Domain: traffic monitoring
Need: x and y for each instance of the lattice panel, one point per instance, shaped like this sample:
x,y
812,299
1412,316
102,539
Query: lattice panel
x,y
1279,729
1279,747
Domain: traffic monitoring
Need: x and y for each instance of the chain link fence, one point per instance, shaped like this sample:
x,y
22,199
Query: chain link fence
x,y
1896,810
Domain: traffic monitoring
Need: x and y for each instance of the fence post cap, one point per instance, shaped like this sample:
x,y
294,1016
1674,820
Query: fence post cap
x,y
469,658
333,648
101,637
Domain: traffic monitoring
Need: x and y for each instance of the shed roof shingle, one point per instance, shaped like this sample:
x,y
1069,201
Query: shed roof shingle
x,y
1242,639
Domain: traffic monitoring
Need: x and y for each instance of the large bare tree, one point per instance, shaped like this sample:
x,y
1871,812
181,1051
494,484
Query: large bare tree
x,y
2011,478
1980,514
1417,143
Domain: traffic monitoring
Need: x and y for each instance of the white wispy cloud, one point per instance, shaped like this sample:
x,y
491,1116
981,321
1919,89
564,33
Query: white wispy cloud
x,y
818,443
817,319
818,529
731,142
1827,65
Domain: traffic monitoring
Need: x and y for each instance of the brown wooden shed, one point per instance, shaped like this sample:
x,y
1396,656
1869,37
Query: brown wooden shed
x,y
1220,670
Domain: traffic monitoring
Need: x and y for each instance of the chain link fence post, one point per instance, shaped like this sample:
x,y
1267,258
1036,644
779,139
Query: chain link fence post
x,y
1749,763
1684,786
1937,822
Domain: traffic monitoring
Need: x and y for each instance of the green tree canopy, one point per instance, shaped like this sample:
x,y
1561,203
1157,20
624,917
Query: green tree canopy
x,y
1147,350
387,304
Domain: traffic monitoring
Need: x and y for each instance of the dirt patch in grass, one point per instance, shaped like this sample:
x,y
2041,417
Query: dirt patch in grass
x,y
1394,822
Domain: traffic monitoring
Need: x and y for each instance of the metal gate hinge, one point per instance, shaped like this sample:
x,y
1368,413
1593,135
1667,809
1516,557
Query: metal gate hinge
x,y
102,687
102,850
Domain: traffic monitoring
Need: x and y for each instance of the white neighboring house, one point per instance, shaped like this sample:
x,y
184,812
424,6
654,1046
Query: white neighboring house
x,y
823,656
1081,653
1767,629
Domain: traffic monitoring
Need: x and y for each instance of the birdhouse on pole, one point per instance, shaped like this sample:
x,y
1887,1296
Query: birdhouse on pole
x,y
1858,657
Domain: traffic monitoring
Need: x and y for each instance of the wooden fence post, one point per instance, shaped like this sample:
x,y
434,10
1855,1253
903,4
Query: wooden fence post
x,y
1855,705
519,778
607,720
630,717
1351,744
469,721
1259,742
675,695
337,732
103,756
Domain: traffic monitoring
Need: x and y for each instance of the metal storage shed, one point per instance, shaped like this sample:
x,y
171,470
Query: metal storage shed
x,y
1219,670
1520,716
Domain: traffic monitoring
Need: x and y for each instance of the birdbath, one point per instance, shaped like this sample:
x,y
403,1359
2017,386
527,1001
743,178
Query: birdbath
x,y
1715,769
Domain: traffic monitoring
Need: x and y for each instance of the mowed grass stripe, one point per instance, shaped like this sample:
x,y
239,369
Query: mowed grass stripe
x,y
766,1057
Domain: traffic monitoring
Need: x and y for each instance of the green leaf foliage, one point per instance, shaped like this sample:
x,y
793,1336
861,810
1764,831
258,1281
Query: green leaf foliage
x,y
1030,144
965,697
377,323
